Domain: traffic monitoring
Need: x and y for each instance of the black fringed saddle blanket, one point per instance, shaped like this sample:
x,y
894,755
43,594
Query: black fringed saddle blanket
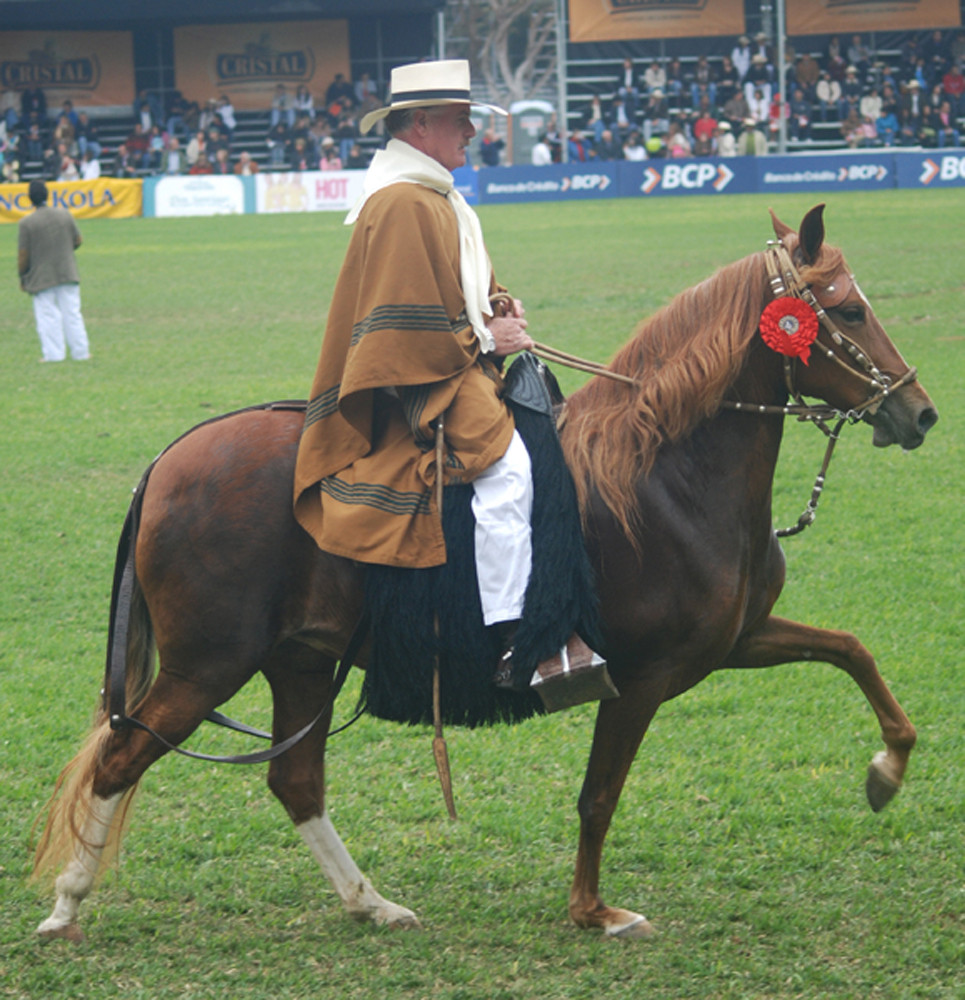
x,y
406,604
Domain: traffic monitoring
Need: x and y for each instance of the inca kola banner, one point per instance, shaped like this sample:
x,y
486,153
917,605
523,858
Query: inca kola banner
x,y
105,198
621,20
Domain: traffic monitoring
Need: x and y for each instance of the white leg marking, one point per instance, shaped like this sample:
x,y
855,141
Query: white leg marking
x,y
75,881
353,888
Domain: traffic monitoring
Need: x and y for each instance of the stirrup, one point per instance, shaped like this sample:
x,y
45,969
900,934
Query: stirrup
x,y
575,675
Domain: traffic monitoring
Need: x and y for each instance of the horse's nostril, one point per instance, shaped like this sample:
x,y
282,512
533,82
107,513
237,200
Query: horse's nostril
x,y
927,419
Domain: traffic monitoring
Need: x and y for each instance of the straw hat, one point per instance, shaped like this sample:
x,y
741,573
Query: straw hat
x,y
425,85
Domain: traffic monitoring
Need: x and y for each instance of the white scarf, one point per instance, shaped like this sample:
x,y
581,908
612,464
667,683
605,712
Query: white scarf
x,y
401,163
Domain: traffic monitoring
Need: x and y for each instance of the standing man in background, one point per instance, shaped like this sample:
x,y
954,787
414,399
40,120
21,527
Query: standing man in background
x,y
47,240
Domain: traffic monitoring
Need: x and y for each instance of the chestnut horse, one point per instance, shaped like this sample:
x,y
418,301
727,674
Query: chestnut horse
x,y
675,483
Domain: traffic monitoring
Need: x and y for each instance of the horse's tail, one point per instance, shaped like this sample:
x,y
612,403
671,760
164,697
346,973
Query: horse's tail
x,y
66,814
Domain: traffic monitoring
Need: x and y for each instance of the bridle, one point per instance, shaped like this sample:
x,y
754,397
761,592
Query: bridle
x,y
785,280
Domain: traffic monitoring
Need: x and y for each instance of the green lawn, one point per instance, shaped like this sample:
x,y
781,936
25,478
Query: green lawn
x,y
743,833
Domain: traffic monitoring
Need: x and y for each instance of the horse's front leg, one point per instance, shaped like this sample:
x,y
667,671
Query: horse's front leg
x,y
620,726
780,641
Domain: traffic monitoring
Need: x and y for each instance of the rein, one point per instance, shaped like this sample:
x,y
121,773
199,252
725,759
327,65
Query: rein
x,y
785,280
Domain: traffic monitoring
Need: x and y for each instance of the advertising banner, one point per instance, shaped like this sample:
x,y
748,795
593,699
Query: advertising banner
x,y
201,194
621,20
309,191
246,62
557,182
847,172
90,68
936,168
105,198
736,175
819,17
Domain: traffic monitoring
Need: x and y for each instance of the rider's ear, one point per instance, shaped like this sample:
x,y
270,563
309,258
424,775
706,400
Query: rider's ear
x,y
812,234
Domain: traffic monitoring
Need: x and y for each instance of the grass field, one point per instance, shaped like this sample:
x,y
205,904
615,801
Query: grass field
x,y
743,833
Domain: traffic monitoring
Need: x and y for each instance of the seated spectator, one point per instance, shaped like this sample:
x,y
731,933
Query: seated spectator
x,y
806,74
125,162
330,159
9,114
608,148
66,164
221,164
277,143
741,57
907,129
953,88
226,118
705,131
678,142
197,148
758,79
726,144
912,102
828,94
675,80
656,114
176,119
935,52
859,56
627,88
357,160
282,108
156,144
751,141
304,103
144,118
947,127
64,133
870,105
928,128
340,91
594,122
202,165
153,105
737,111
850,93
760,107
301,156
491,148
886,128
620,120
246,166
654,78
633,149
138,145
578,148
541,155
345,133
728,81
799,117
33,106
704,83
173,160
366,92
88,136
90,166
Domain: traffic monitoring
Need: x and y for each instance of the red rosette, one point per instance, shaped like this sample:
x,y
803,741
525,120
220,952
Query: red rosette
x,y
789,326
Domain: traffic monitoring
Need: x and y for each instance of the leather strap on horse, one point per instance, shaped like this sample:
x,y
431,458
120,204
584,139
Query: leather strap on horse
x,y
440,750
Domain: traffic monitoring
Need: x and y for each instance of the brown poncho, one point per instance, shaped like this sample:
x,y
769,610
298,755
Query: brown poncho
x,y
398,351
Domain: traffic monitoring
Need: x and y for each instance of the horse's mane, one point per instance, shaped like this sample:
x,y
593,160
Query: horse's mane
x,y
684,359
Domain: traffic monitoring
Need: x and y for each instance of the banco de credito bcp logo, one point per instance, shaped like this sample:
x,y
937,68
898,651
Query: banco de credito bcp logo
x,y
45,68
260,61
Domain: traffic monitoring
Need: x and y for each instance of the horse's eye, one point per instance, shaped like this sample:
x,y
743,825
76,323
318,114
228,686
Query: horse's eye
x,y
852,314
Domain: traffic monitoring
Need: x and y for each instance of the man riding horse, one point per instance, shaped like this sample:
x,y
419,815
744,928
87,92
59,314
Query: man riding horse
x,y
414,342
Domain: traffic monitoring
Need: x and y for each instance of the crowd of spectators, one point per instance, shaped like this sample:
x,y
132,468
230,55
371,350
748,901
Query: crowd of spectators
x,y
180,136
732,105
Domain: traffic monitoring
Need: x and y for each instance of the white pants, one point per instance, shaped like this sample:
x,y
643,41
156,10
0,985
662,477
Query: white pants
x,y
503,504
60,324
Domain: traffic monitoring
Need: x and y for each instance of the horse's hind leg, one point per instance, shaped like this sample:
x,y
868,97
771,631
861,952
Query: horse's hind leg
x,y
781,641
301,683
87,815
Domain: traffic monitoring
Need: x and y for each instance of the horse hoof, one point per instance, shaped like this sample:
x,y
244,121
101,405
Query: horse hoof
x,y
408,922
68,932
879,788
631,926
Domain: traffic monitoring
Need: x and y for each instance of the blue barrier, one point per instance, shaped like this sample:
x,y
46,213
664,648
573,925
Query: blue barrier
x,y
857,170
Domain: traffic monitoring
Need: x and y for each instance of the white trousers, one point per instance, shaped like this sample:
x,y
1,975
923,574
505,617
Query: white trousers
x,y
60,324
503,504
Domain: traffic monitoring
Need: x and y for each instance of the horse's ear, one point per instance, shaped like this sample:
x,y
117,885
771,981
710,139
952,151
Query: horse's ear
x,y
812,234
780,230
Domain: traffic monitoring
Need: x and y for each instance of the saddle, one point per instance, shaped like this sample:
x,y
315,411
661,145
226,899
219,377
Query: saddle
x,y
423,616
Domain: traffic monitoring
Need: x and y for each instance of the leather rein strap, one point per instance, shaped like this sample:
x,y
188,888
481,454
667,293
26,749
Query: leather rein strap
x,y
785,279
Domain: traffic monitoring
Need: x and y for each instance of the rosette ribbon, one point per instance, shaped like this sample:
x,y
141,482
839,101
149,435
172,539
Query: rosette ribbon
x,y
789,326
